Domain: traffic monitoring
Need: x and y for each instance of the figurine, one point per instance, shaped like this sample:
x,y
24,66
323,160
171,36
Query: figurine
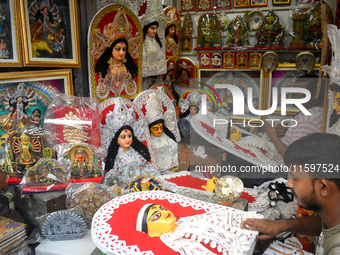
x,y
115,48
172,32
209,34
145,183
187,30
127,156
153,22
238,30
17,102
184,75
162,125
271,31
34,120
224,21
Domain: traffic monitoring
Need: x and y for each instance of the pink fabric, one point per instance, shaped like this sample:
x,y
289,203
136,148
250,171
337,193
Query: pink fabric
x,y
307,124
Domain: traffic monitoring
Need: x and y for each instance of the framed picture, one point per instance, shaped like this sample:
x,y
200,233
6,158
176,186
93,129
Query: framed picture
x,y
281,2
222,4
204,59
204,5
242,79
241,3
259,3
10,33
229,60
283,76
38,87
186,5
216,59
50,33
255,60
242,60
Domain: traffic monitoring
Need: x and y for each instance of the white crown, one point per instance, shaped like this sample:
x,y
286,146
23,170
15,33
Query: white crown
x,y
154,12
154,108
194,98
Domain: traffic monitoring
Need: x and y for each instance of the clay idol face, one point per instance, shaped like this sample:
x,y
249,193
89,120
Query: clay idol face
x,y
157,130
125,139
160,220
235,134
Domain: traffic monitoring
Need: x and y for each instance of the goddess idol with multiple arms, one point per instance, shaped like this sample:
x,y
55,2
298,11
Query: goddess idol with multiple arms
x,y
162,125
114,51
154,60
124,134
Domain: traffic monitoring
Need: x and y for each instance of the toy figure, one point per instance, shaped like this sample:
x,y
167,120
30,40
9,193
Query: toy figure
x,y
171,40
127,156
26,148
17,102
238,30
271,31
209,35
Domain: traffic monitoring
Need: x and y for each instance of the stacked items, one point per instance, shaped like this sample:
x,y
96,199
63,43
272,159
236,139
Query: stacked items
x,y
12,235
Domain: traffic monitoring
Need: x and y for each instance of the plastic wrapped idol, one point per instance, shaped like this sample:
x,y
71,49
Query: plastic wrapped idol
x,y
163,127
125,135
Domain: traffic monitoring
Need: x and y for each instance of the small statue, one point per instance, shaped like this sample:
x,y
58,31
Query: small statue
x,y
172,32
238,30
271,31
209,33
187,30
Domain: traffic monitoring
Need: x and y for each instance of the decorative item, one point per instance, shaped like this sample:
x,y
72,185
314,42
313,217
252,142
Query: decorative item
x,y
50,33
125,135
153,23
90,196
64,225
228,189
113,29
169,77
23,151
216,59
205,60
255,19
229,60
172,32
46,175
242,60
203,5
224,21
255,60
10,34
222,4
145,183
208,31
271,32
281,2
298,24
124,206
305,61
185,71
270,60
187,5
255,3
162,122
186,37
211,183
241,3
238,33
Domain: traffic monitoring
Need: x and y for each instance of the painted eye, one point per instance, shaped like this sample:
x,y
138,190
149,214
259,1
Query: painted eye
x,y
156,217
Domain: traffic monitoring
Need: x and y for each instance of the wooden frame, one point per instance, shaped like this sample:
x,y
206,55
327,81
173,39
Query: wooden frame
x,y
242,79
281,2
229,60
57,45
242,60
283,76
10,44
255,60
241,3
257,3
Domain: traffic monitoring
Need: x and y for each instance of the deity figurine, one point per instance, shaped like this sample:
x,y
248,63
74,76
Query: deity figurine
x,y
162,125
127,156
238,30
187,234
209,31
185,67
172,32
114,50
187,30
153,22
17,103
271,31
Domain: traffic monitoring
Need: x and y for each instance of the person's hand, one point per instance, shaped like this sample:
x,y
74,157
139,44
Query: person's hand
x,y
3,183
280,130
271,132
268,228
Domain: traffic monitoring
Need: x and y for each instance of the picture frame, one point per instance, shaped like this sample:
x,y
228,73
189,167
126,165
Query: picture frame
x,y
242,79
255,60
257,3
10,34
222,4
57,45
204,5
229,60
284,76
44,84
186,5
241,3
242,60
281,2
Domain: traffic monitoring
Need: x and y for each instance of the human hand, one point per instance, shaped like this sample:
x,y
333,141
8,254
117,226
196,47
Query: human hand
x,y
280,130
268,228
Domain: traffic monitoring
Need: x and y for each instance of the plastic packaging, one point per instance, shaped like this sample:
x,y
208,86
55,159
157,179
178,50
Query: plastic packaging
x,y
306,241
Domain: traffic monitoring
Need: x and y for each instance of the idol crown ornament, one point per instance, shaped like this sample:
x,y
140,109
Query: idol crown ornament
x,y
154,108
119,28
75,132
154,12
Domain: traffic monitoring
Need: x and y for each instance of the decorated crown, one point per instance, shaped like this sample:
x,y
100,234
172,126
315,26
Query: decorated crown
x,y
119,28
194,98
154,108
74,133
154,12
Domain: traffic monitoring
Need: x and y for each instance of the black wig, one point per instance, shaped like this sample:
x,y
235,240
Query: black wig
x,y
165,128
145,31
167,32
113,148
102,64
